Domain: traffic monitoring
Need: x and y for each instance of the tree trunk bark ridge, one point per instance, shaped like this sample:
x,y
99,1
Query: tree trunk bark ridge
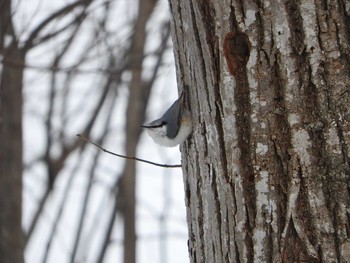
x,y
266,171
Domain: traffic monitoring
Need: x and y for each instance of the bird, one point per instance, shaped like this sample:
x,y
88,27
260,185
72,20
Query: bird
x,y
173,127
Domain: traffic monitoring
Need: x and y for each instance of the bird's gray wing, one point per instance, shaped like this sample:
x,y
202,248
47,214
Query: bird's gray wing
x,y
173,119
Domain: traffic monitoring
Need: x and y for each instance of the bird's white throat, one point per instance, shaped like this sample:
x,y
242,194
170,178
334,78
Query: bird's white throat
x,y
159,135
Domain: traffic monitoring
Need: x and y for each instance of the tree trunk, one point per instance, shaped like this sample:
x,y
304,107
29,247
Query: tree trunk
x,y
266,170
138,98
11,235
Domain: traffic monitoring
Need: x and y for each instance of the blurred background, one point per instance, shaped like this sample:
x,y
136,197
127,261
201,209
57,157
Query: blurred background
x,y
99,68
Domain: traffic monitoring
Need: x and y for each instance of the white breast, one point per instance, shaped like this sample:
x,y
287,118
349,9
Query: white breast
x,y
159,135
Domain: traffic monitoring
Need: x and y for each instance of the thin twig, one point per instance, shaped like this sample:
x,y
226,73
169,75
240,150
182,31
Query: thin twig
x,y
82,137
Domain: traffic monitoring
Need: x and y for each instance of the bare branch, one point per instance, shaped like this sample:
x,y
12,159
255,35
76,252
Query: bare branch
x,y
82,137
118,203
20,64
57,32
66,9
159,53
61,207
93,165
53,167
56,165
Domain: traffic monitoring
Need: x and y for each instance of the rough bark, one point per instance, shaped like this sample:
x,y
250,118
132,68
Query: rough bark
x,y
266,170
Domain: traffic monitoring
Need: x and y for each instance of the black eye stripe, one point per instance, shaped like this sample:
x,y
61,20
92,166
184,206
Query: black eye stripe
x,y
154,126
160,125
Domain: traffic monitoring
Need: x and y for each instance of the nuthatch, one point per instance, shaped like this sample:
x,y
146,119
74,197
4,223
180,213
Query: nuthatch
x,y
173,127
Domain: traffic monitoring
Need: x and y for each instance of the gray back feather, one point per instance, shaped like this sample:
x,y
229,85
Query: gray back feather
x,y
173,113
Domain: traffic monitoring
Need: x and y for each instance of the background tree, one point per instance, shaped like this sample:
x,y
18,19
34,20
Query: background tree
x,y
84,66
267,167
11,242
